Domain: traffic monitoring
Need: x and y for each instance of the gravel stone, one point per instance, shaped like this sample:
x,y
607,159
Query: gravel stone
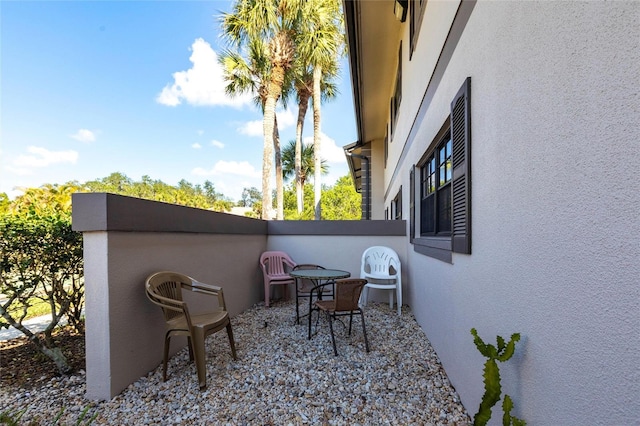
x,y
280,378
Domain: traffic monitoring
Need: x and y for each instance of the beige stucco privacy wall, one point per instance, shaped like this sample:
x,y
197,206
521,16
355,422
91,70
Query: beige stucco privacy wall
x,y
555,204
339,245
126,239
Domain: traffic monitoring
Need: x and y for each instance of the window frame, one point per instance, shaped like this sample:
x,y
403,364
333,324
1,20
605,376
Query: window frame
x,y
396,99
416,13
396,206
441,246
434,185
386,146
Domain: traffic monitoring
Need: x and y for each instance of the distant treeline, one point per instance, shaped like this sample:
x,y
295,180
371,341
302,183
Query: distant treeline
x,y
339,201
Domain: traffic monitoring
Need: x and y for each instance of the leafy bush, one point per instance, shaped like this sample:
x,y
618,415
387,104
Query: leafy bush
x,y
41,259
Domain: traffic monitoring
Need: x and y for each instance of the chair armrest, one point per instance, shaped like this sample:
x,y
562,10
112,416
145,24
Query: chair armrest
x,y
205,288
211,290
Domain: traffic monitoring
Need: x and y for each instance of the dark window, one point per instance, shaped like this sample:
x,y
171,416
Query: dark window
x,y
386,147
394,105
416,12
435,189
396,206
444,188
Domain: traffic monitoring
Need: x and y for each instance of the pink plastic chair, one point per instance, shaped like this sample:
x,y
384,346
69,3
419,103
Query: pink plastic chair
x,y
275,270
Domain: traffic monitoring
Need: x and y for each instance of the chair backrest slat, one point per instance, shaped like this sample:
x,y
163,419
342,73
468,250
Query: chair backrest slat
x,y
165,290
380,260
274,262
348,293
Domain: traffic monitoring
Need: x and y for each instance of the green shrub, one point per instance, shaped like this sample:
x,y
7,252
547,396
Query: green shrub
x,y
41,260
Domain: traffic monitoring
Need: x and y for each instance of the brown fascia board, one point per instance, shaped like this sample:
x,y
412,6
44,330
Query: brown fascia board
x,y
111,212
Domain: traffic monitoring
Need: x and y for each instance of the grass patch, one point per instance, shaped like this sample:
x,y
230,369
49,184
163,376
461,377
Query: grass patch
x,y
38,308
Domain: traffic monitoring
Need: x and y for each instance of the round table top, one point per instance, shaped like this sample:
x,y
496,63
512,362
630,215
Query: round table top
x,y
320,274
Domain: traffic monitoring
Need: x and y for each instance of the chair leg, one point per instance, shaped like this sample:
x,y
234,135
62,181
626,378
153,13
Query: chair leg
x,y
364,331
390,299
350,321
232,342
333,338
364,296
297,307
198,348
167,340
310,312
399,299
267,295
190,345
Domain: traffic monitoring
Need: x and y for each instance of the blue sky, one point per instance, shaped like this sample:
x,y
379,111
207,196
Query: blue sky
x,y
88,88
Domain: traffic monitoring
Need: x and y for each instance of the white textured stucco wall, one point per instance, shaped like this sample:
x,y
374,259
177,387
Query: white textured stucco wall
x,y
344,254
556,207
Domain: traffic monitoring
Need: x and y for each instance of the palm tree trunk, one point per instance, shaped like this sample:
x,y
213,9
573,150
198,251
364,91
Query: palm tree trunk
x,y
317,184
267,157
303,105
279,180
274,89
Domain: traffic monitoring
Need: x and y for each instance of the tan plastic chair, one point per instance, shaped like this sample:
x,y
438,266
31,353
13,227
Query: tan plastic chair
x,y
165,290
345,303
275,270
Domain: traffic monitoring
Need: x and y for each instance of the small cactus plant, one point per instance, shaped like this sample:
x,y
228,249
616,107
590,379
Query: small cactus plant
x,y
492,389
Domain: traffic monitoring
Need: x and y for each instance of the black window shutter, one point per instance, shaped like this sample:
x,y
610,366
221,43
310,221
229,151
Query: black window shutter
x,y
461,137
412,208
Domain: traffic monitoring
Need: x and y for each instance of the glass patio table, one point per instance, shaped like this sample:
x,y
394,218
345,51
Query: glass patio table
x,y
320,278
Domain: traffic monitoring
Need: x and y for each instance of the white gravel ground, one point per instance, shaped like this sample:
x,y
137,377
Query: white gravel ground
x,y
280,378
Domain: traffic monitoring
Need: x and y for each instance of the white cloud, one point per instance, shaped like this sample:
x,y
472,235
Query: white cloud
x,y
242,168
42,157
251,128
217,144
202,84
196,146
330,151
233,188
18,171
286,119
200,132
84,135
231,177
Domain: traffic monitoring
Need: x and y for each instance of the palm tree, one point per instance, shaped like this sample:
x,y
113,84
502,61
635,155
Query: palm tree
x,y
252,75
320,43
303,82
271,22
307,162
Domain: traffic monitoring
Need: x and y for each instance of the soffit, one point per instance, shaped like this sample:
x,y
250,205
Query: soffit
x,y
374,40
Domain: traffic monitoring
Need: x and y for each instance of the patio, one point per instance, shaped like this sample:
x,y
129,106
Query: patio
x,y
280,377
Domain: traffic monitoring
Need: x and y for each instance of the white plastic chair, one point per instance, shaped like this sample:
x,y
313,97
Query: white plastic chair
x,y
380,266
